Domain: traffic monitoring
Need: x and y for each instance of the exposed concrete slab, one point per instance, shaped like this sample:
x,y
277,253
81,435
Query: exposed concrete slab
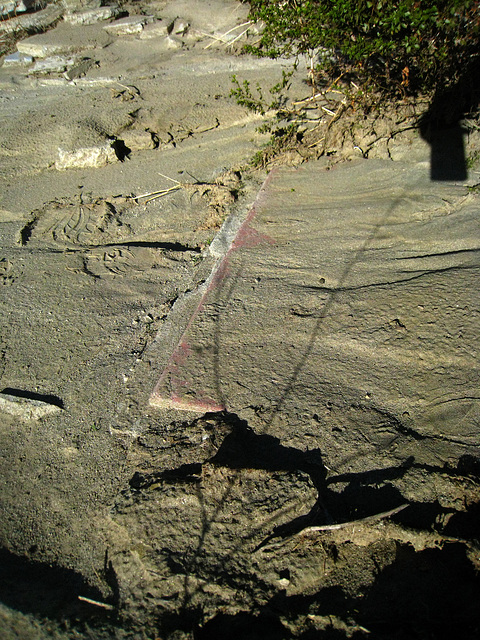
x,y
91,15
17,59
131,25
40,20
330,295
66,38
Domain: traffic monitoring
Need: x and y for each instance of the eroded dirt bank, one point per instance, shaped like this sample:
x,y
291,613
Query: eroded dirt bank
x,y
322,501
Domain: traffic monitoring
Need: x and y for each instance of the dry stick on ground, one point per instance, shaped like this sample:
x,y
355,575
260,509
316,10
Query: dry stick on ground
x,y
103,605
324,92
334,527
238,37
161,192
222,38
158,194
153,195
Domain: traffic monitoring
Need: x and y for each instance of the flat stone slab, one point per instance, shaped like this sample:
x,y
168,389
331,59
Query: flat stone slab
x,y
131,25
63,40
40,20
353,286
91,15
52,64
17,59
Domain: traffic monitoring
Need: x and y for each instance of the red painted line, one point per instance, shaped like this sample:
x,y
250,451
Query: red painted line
x,y
180,395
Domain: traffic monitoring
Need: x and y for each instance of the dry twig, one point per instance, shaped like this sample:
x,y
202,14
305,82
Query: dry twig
x,y
103,605
223,38
335,527
158,194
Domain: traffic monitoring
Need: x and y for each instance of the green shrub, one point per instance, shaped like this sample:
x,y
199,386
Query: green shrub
x,y
399,45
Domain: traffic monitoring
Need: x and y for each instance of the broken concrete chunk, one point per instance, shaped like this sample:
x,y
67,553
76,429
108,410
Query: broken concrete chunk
x,y
138,140
156,29
26,408
128,26
14,7
92,157
39,21
52,64
80,5
17,59
91,15
35,47
80,69
173,43
179,27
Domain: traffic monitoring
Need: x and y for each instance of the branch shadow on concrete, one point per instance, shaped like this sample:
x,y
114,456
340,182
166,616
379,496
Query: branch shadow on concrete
x,y
362,494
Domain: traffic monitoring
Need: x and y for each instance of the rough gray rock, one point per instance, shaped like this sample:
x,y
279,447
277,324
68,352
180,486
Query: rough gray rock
x,y
90,14
132,25
17,59
31,22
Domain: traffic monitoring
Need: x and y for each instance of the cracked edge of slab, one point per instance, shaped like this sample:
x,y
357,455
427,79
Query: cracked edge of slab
x,y
172,390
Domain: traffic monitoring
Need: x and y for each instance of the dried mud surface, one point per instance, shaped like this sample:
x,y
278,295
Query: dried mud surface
x,y
119,520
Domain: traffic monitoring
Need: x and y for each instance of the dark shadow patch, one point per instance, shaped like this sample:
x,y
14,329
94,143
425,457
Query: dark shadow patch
x,y
244,449
244,626
366,493
441,126
469,465
428,594
30,395
168,246
447,149
185,473
121,150
425,516
111,579
46,590
465,524
27,230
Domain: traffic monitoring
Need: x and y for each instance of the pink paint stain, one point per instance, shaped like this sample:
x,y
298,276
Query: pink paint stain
x,y
202,405
247,237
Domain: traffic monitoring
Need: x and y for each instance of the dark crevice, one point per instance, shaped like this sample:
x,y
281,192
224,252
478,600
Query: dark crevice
x,y
263,626
391,283
184,473
27,230
170,246
438,255
88,271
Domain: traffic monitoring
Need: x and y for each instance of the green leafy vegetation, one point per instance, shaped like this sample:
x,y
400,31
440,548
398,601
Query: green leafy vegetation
x,y
254,100
400,46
